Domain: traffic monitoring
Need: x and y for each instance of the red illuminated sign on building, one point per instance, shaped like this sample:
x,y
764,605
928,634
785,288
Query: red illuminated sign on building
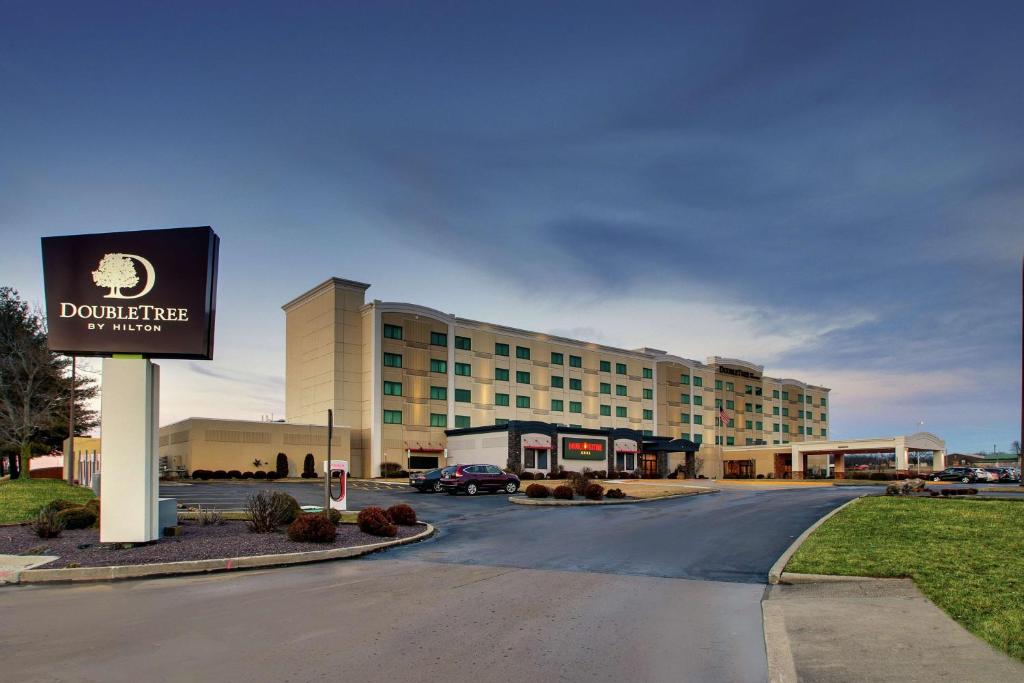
x,y
583,449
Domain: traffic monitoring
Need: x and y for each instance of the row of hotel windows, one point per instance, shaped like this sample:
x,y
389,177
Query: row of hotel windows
x,y
751,390
557,405
394,417
522,352
501,374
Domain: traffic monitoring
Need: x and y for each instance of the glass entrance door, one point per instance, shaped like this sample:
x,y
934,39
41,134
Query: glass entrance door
x,y
648,465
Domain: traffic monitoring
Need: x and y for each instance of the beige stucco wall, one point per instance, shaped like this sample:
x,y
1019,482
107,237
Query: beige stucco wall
x,y
211,444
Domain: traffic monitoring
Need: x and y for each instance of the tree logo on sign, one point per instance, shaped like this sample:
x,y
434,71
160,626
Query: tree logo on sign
x,y
117,271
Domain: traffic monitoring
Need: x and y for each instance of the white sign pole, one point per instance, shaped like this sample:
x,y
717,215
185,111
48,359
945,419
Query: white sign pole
x,y
130,410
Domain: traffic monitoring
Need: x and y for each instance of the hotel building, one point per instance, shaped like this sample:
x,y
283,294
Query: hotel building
x,y
400,376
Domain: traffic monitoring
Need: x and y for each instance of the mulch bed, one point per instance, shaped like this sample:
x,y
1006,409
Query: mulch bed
x,y
82,547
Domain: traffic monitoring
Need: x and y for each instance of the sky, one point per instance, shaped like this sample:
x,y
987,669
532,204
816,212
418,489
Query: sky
x,y
831,190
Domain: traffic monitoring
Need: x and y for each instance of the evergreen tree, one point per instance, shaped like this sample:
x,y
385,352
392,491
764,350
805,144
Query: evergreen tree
x,y
35,386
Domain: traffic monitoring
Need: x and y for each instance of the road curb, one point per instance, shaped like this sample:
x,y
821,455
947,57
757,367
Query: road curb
x,y
544,502
114,573
775,573
781,666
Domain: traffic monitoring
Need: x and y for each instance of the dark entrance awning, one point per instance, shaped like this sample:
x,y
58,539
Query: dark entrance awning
x,y
670,446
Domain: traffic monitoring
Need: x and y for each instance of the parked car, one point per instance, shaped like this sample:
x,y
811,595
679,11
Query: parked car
x,y
1008,475
475,478
967,475
429,480
992,473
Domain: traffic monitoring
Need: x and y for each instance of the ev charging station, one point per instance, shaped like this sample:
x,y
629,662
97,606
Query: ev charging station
x,y
337,496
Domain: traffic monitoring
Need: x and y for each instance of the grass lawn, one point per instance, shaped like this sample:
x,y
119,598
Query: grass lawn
x,y
967,556
20,498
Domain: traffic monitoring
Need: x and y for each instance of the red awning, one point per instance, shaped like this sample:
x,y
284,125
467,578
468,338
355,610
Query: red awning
x,y
425,450
537,448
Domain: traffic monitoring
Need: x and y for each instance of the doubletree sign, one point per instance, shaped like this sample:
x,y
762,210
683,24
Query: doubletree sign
x,y
148,292
583,449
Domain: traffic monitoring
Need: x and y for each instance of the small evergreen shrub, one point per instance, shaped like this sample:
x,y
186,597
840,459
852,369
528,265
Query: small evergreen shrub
x,y
402,514
219,474
247,475
563,492
271,475
281,467
525,476
312,529
234,474
539,475
287,507
47,523
203,475
537,491
593,492
334,516
259,474
614,493
375,521
79,517
309,467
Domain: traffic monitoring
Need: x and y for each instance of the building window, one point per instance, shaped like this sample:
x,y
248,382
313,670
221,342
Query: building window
x,y
823,402
501,374
649,393
785,429
392,332
698,437
522,401
438,339
824,432
556,405
463,369
557,382
823,417
576,361
748,424
500,349
785,395
759,426
800,429
393,360
438,365
757,391
750,442
463,343
438,420
730,405
698,381
718,441
606,366
775,393
800,414
684,418
392,388
620,390
684,379
462,421
749,389
718,403
775,410
501,422
606,388
698,400
730,441
749,407
729,386
392,417
575,407
758,408
575,384
648,414
785,412
522,377
606,410
620,369
556,358
775,427
807,399
620,411
523,352
684,399
439,393
501,399
698,419
648,373
463,396
718,385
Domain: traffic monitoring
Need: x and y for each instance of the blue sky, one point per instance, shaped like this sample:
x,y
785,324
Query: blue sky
x,y
832,191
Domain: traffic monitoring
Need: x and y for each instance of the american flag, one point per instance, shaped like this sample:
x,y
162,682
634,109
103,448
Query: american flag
x,y
723,417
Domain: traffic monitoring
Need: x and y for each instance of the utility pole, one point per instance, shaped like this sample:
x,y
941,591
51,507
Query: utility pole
x,y
71,423
327,474
1020,455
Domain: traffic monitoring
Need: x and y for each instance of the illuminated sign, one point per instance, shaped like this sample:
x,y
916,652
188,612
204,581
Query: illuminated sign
x,y
574,448
148,292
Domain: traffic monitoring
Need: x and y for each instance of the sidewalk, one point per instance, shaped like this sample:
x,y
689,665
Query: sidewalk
x,y
872,630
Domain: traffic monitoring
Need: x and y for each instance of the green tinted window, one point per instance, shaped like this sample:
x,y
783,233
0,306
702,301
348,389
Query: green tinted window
x,y
684,399
606,366
523,352
438,420
648,414
648,373
439,393
557,382
606,388
392,417
620,390
698,400
575,384
392,332
501,422
698,381
556,405
392,388
463,343
576,361
649,393
620,411
464,369
575,407
522,401
501,374
620,368
463,396
462,421
606,410
438,365
500,349
393,360
698,419
556,358
522,377
438,339
501,399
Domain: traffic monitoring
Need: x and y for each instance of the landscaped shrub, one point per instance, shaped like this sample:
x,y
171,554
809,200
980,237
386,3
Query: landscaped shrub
x,y
79,517
389,469
272,474
375,521
309,467
402,514
593,492
578,482
288,508
234,474
47,523
334,516
60,505
263,512
563,492
537,491
614,493
247,475
538,475
402,474
282,465
201,474
259,474
219,474
525,476
601,474
760,476
312,529
209,517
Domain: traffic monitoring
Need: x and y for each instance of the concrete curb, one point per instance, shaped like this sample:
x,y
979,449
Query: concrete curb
x,y
775,573
546,502
791,578
207,566
781,666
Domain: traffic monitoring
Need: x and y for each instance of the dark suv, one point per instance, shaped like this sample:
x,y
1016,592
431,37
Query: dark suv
x,y
965,474
475,478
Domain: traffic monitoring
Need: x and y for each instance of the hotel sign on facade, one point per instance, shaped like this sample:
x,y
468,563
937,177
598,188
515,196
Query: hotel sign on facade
x,y
148,292
574,448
